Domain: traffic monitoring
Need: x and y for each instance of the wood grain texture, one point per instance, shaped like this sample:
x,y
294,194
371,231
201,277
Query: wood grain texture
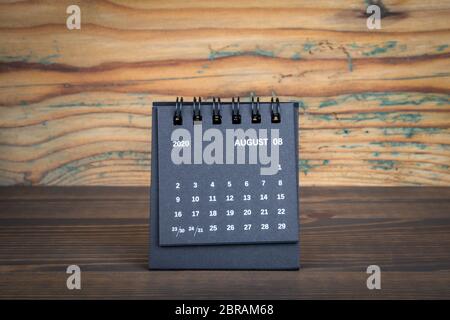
x,y
406,231
75,105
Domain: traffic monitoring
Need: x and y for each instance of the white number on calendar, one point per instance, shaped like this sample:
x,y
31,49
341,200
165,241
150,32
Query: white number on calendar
x,y
230,212
213,227
246,183
212,184
229,184
247,197
195,213
213,213
181,143
247,226
178,214
229,197
280,196
277,141
281,211
280,182
177,199
195,185
212,198
230,227
264,196
177,185
247,212
264,226
195,198
264,212
281,226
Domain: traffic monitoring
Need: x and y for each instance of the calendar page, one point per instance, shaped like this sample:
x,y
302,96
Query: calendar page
x,y
227,173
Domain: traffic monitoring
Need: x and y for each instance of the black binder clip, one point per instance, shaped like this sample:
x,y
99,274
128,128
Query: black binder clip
x,y
256,116
275,109
235,111
177,118
197,109
216,117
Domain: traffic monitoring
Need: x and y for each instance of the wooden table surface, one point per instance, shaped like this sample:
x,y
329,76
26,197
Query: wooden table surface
x,y
104,230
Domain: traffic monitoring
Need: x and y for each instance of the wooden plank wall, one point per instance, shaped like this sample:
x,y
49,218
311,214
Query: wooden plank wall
x,y
75,105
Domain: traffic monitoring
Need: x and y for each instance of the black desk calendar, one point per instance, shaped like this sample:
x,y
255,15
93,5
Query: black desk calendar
x,y
224,191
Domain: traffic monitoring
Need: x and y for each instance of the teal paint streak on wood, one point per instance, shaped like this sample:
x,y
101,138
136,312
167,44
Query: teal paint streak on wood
x,y
308,46
297,49
349,62
305,166
438,100
296,56
349,59
325,117
223,54
216,54
387,99
354,45
328,103
417,145
375,116
301,104
19,58
442,47
344,132
265,53
410,131
31,58
377,50
49,59
416,117
383,164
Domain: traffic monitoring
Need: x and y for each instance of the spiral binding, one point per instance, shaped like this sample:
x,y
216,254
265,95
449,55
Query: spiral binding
x,y
235,110
197,109
275,110
177,117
